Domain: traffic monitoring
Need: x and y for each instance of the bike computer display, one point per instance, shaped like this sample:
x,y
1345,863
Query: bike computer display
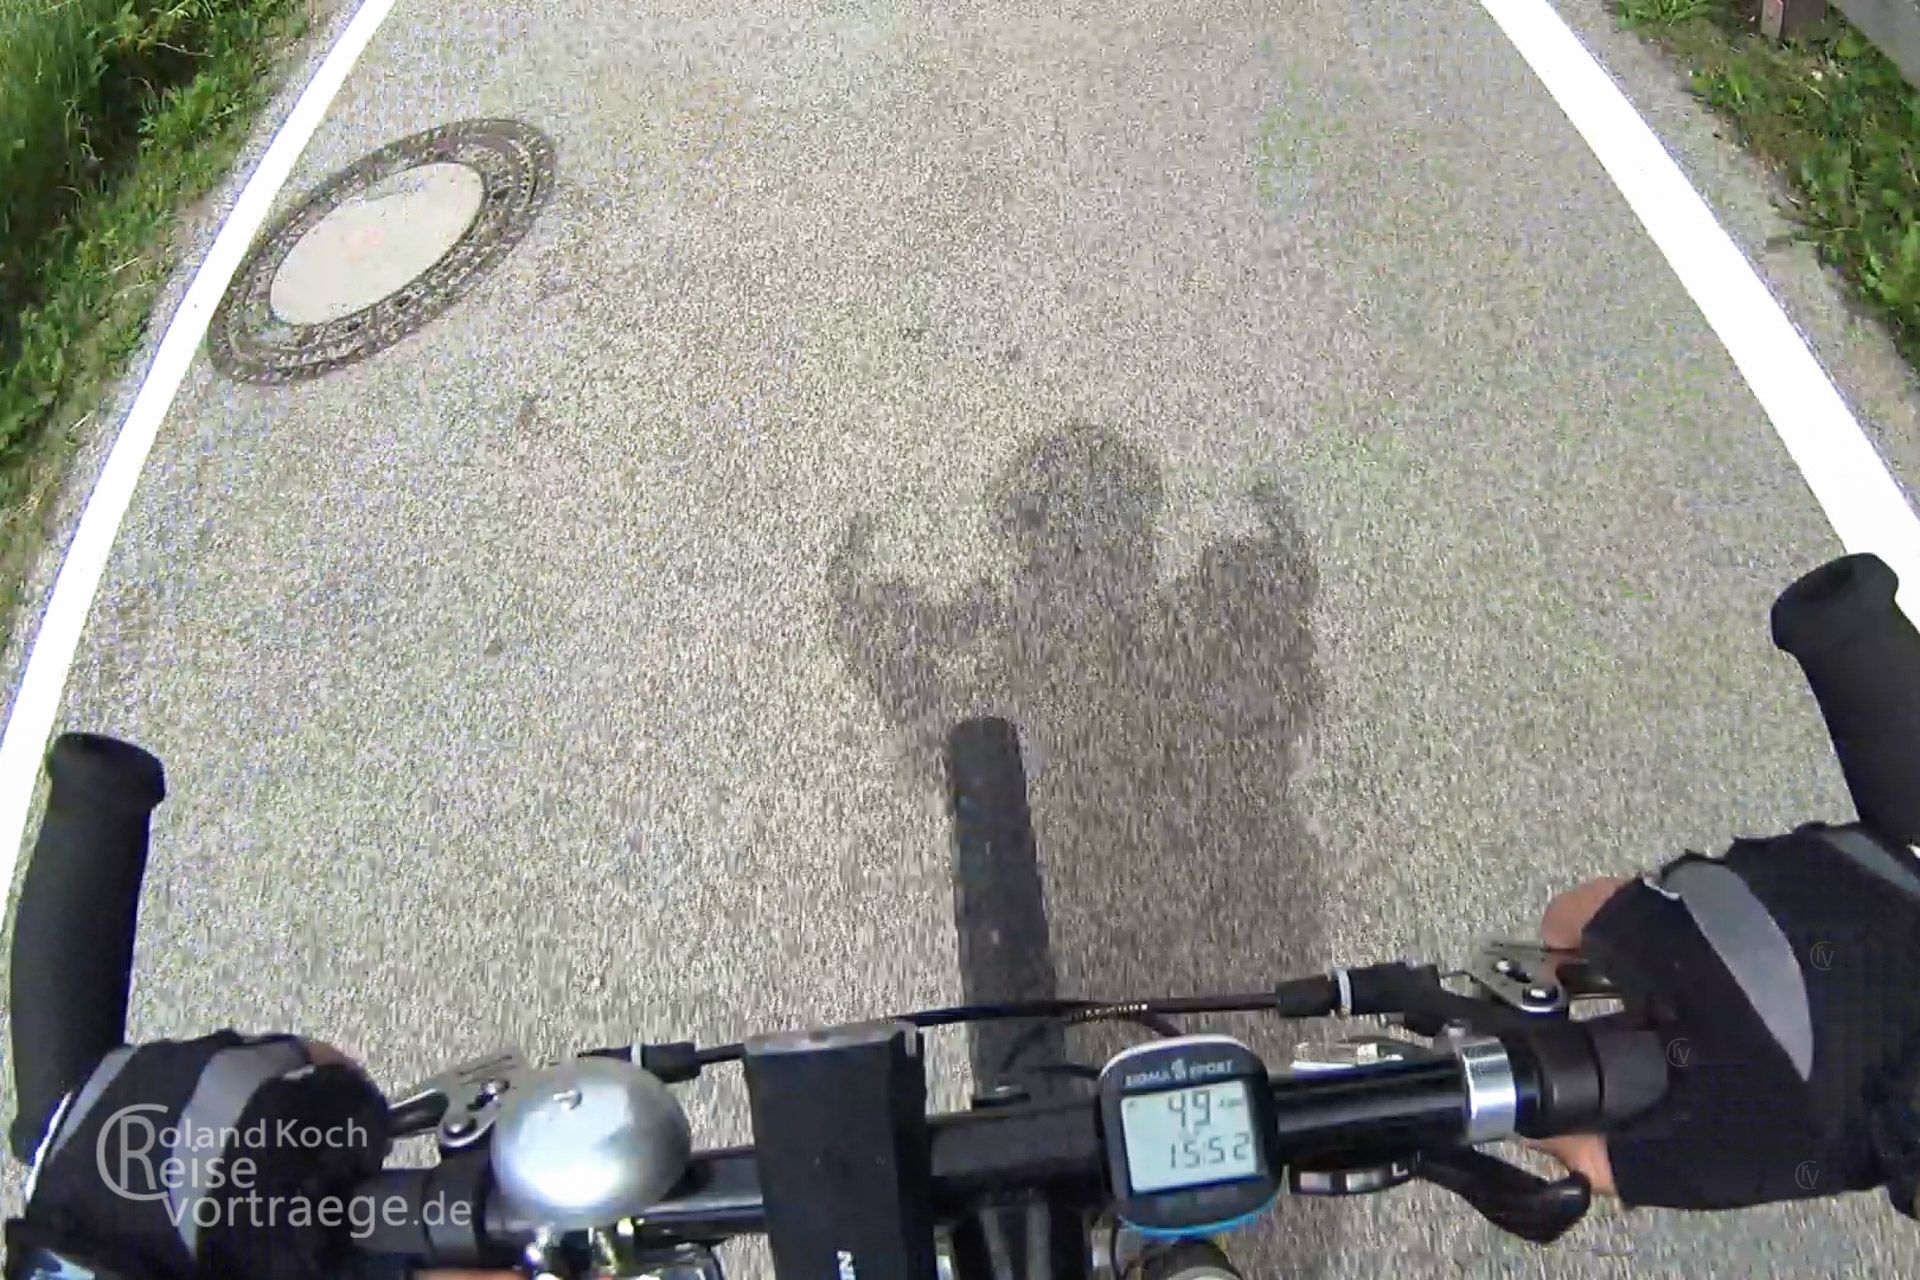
x,y
1188,1128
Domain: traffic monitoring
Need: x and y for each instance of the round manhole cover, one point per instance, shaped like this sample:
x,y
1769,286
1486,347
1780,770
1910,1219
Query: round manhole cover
x,y
382,248
376,244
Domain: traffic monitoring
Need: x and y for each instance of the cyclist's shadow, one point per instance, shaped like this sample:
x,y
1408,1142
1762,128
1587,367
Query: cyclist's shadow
x,y
1163,723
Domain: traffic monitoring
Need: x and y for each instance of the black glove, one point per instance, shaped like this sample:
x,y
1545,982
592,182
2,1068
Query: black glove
x,y
226,1156
1787,974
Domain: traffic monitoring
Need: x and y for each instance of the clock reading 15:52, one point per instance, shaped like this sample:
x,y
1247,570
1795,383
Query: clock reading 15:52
x,y
1189,1137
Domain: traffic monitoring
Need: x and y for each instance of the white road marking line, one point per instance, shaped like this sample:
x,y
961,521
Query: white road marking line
x,y
1848,477
51,657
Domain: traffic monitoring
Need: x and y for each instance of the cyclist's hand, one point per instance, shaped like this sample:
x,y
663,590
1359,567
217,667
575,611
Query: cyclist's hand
x,y
1783,975
180,1160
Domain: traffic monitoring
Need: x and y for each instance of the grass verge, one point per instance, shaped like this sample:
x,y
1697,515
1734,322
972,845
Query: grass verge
x,y
1833,114
115,115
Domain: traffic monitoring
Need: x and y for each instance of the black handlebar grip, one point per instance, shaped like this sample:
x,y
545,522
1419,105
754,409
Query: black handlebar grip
x,y
73,934
1862,659
1632,1063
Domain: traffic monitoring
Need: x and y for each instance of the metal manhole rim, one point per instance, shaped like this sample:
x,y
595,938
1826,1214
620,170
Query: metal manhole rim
x,y
247,341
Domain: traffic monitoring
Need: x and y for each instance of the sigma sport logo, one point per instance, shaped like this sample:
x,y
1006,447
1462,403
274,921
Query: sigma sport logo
x,y
1179,1072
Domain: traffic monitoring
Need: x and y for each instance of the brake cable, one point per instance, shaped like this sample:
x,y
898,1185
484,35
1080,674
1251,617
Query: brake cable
x,y
1312,997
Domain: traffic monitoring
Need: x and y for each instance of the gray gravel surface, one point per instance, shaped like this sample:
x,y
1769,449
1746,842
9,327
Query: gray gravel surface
x,y
1272,407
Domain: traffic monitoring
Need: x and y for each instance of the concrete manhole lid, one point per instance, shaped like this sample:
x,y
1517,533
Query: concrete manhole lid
x,y
381,249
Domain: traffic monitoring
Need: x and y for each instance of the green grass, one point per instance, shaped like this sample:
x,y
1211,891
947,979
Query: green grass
x,y
115,115
1842,126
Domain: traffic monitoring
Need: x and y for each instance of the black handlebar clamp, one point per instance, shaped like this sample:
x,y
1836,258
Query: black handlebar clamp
x,y
840,1119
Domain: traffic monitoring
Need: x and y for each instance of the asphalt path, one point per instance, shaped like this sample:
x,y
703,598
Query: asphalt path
x,y
1273,408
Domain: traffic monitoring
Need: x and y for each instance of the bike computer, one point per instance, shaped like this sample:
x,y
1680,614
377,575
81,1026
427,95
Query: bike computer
x,y
1188,1128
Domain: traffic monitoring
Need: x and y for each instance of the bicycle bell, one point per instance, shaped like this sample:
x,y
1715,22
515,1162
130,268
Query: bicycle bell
x,y
588,1142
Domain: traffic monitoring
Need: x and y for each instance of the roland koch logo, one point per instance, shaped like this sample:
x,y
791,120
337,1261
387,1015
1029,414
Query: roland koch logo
x,y
211,1176
142,1158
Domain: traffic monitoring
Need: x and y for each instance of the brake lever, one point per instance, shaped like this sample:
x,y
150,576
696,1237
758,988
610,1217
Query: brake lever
x,y
1518,1202
459,1104
1510,987
1536,979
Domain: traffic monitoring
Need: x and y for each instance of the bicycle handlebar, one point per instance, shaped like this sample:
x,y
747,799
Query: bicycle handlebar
x,y
451,1215
73,937
1861,657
